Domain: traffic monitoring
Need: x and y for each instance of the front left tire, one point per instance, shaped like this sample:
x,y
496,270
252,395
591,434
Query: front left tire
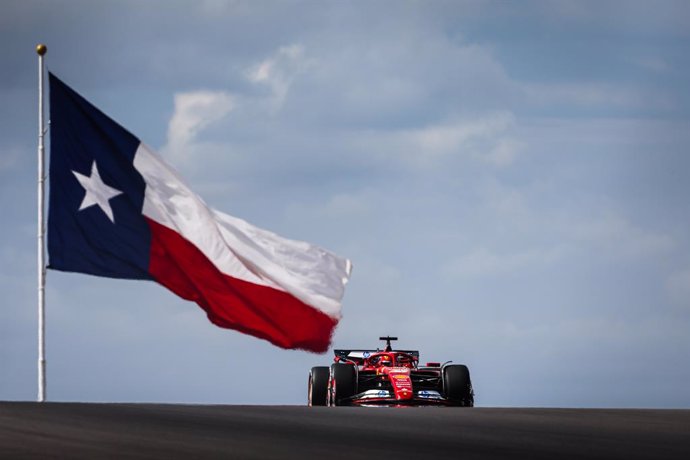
x,y
457,386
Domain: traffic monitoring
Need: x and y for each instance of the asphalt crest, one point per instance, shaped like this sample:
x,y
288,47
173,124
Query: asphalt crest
x,y
80,430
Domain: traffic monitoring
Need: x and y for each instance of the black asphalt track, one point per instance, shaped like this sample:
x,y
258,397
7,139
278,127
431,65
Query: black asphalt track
x,y
70,430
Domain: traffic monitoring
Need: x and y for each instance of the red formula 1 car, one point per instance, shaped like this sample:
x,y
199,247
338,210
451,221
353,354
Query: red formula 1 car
x,y
388,377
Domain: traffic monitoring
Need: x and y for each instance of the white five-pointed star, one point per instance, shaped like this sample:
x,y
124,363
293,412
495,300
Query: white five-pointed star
x,y
96,192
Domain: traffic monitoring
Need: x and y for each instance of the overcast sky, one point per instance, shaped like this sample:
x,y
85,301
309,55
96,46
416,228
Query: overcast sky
x,y
510,180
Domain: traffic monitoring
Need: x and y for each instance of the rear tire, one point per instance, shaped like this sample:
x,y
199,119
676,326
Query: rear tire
x,y
457,386
343,383
318,386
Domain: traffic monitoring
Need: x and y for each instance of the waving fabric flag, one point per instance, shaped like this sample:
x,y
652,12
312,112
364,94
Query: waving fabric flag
x,y
117,210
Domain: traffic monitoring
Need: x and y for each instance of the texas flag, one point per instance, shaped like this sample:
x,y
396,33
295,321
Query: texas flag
x,y
118,210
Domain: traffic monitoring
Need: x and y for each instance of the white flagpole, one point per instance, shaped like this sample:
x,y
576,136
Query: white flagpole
x,y
41,50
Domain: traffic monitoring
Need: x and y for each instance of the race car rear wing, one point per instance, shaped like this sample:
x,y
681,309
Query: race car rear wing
x,y
358,356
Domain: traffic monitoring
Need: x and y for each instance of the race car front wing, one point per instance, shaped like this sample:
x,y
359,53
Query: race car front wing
x,y
387,397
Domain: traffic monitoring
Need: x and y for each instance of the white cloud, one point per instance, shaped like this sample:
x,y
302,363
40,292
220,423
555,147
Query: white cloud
x,y
448,138
279,71
194,111
486,139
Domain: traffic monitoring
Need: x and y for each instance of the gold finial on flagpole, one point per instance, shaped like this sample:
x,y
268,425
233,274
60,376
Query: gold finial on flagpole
x,y
41,49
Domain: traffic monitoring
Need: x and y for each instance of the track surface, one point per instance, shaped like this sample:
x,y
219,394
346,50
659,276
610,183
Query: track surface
x,y
70,430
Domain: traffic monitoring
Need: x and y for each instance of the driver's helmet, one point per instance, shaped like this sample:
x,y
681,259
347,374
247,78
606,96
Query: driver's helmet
x,y
385,361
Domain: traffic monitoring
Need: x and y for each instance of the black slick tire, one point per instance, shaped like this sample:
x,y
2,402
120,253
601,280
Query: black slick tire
x,y
343,383
318,386
457,386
